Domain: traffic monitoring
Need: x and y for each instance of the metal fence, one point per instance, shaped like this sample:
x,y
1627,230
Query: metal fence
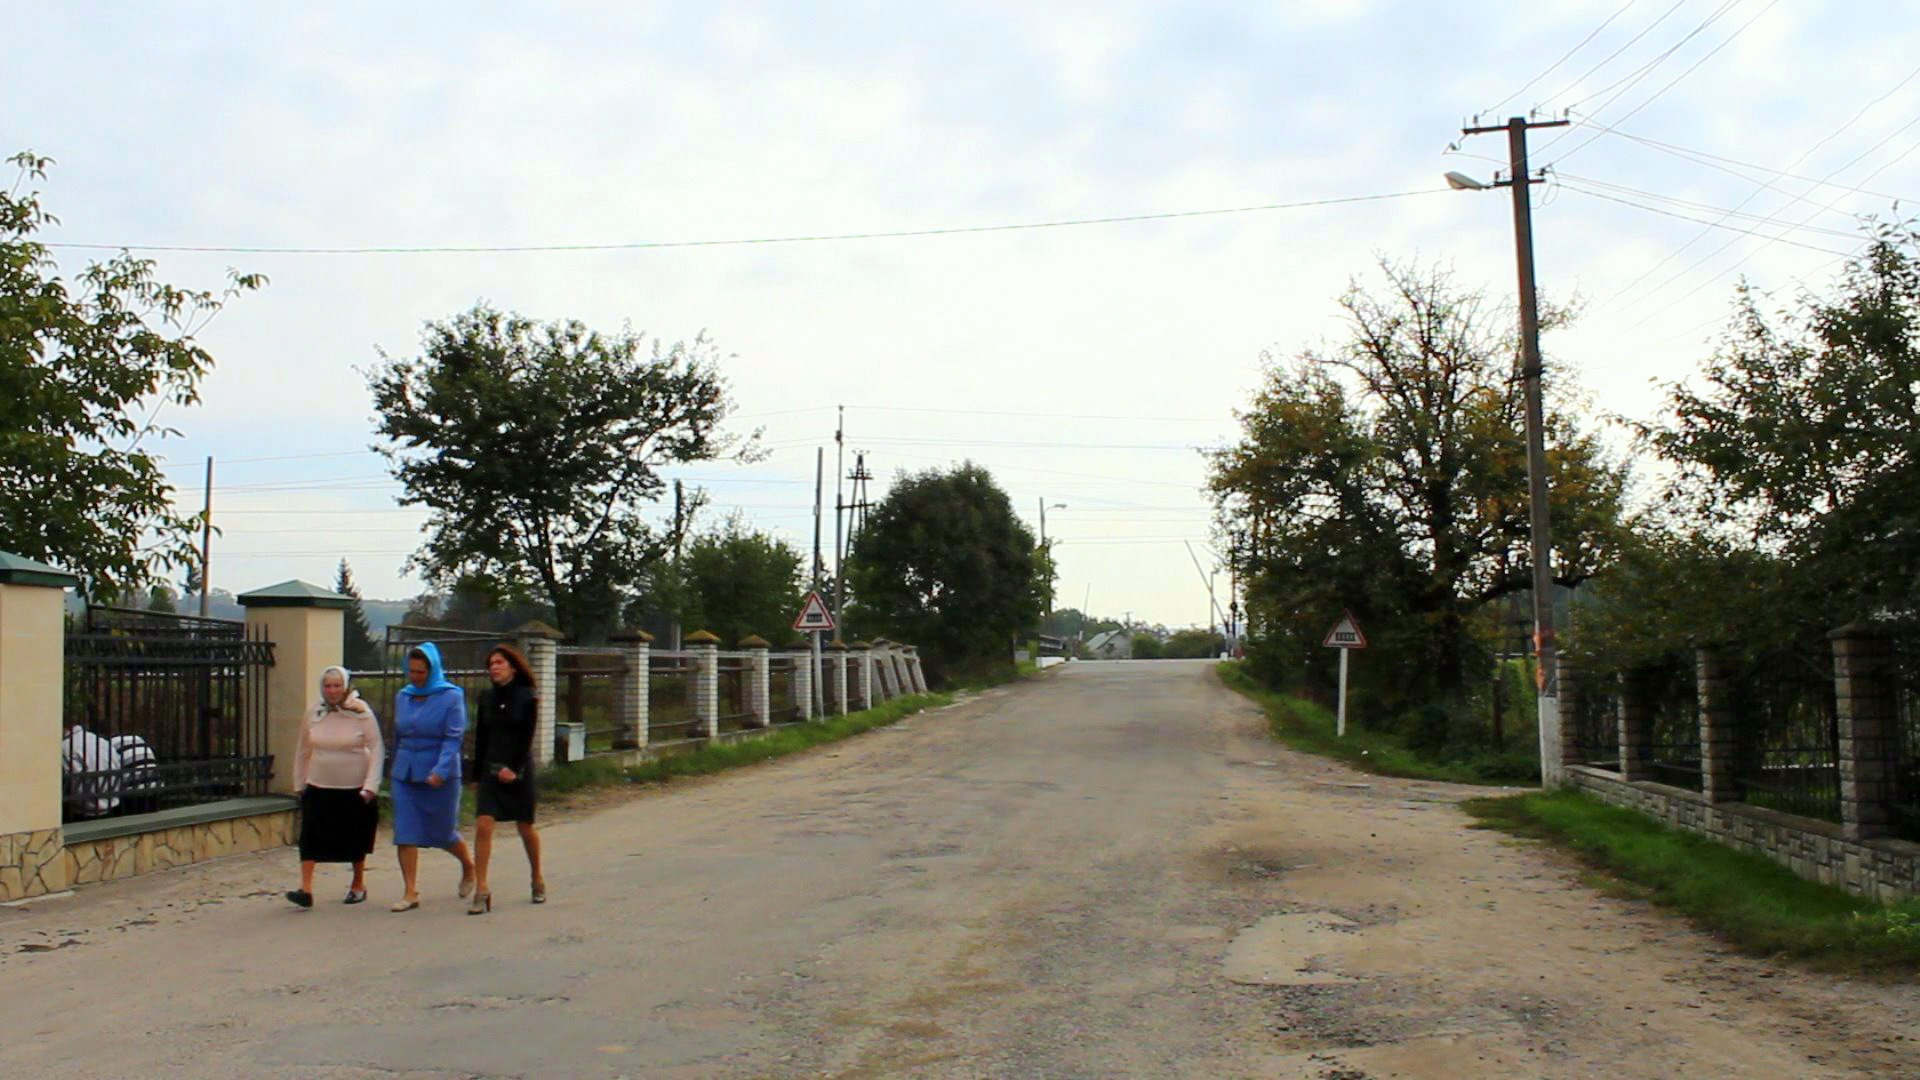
x,y
162,711
670,710
1905,807
1596,722
735,705
783,702
592,692
1673,699
1787,734
463,655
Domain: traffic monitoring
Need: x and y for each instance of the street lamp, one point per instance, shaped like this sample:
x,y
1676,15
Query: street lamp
x,y
1545,649
1049,551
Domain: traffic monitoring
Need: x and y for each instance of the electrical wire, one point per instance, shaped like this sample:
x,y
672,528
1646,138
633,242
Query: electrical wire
x,y
511,249
1610,57
1673,200
1717,161
1699,221
1564,57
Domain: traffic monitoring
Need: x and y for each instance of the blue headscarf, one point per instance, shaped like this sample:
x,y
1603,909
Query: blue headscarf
x,y
436,673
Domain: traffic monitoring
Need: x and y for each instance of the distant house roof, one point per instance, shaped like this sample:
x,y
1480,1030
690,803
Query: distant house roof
x,y
1107,638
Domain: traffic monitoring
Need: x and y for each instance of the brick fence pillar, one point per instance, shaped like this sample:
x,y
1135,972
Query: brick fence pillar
x,y
803,680
33,646
1718,726
1869,729
304,623
541,645
836,667
1572,686
1635,710
759,680
635,696
704,647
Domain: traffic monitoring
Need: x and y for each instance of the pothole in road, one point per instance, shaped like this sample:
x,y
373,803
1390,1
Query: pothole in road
x,y
1285,950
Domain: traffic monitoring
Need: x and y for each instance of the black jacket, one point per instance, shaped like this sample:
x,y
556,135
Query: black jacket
x,y
503,729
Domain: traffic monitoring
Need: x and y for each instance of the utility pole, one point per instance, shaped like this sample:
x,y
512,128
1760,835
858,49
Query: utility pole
x,y
819,496
679,531
206,540
1520,179
839,513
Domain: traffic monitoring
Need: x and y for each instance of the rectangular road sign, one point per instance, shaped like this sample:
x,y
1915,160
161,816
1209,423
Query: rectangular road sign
x,y
814,615
1346,634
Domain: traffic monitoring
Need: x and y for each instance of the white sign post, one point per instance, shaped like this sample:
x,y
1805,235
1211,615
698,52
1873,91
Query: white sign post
x,y
1346,637
814,619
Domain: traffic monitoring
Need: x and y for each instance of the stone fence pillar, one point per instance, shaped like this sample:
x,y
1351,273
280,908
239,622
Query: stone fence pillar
x,y
803,679
889,674
759,681
635,697
1636,727
704,647
917,673
1571,688
1869,730
540,644
306,625
32,654
862,656
836,668
1718,724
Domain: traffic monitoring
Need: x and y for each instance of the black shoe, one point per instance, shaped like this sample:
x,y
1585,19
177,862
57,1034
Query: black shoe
x,y
300,897
355,896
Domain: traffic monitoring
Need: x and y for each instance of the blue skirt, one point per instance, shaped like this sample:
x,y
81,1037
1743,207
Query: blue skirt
x,y
426,816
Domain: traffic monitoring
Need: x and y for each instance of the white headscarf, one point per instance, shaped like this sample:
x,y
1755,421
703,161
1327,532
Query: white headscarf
x,y
346,703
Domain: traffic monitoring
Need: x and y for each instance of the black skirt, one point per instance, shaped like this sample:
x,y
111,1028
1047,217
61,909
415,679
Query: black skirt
x,y
505,802
336,825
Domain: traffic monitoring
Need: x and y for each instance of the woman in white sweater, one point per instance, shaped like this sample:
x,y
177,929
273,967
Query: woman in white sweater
x,y
337,772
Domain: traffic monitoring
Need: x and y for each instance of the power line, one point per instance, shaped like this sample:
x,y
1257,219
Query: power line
x,y
1700,221
1568,55
509,249
1702,157
1578,182
1042,415
1610,57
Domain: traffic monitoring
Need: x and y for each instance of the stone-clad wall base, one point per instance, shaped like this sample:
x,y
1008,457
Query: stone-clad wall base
x,y
126,856
1883,870
30,865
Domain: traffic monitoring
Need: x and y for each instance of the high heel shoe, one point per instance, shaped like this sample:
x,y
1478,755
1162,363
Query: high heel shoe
x,y
466,887
539,892
482,902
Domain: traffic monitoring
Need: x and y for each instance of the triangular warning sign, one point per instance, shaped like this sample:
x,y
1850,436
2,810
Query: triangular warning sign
x,y
814,615
1346,634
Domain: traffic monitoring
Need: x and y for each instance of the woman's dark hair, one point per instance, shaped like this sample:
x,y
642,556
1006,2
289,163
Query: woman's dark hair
x,y
416,654
522,671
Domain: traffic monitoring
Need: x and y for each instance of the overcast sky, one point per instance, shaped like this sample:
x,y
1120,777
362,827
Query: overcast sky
x,y
1083,365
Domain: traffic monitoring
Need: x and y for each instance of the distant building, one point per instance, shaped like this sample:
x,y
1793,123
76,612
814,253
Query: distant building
x,y
1112,645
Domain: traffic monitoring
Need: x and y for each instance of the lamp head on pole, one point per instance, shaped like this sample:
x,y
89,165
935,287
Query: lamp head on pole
x,y
1460,181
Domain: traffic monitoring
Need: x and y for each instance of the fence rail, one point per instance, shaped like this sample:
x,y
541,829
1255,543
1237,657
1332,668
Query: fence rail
x,y
162,711
1787,735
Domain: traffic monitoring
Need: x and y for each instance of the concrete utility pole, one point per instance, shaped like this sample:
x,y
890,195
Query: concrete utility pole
x,y
1545,648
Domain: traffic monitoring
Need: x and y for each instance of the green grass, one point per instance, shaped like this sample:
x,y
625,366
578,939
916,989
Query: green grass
x,y
1747,899
1305,726
561,780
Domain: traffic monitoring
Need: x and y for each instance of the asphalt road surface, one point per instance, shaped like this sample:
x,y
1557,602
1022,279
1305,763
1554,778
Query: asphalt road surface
x,y
1104,872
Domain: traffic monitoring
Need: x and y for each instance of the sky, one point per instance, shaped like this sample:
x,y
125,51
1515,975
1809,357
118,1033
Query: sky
x,y
1087,366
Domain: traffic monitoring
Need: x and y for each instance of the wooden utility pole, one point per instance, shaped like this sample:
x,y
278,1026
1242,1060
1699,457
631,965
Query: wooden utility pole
x,y
206,540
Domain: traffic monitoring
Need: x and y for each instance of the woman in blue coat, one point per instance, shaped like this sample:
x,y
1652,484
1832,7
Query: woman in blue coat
x,y
429,719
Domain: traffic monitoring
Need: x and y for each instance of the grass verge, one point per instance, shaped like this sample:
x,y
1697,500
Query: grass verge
x,y
1750,901
562,780
1305,726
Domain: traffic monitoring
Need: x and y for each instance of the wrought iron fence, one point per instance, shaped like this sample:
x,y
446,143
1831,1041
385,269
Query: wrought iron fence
x,y
1673,700
162,711
1596,722
463,656
1905,807
1787,734
735,704
670,709
783,703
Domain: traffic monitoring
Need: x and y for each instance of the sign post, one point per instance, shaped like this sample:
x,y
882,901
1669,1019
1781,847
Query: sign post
x,y
1346,637
814,619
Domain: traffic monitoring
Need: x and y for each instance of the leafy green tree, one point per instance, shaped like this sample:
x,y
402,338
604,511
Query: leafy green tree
x,y
1073,623
735,581
944,563
537,448
1194,645
86,366
1387,474
161,598
1147,647
357,645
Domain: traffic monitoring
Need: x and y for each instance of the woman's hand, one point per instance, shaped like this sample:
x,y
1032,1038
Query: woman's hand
x,y
367,794
506,776
435,780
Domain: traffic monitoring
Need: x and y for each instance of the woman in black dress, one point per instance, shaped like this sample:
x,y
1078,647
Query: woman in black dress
x,y
503,768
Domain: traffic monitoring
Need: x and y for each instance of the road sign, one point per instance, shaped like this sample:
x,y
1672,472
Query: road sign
x,y
814,615
1346,634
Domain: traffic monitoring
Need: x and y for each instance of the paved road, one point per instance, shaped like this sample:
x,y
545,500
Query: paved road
x,y
1107,872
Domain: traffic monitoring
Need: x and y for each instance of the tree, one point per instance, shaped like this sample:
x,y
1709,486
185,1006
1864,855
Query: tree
x,y
357,646
1147,647
161,599
1194,645
735,581
1387,474
943,563
86,367
537,447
